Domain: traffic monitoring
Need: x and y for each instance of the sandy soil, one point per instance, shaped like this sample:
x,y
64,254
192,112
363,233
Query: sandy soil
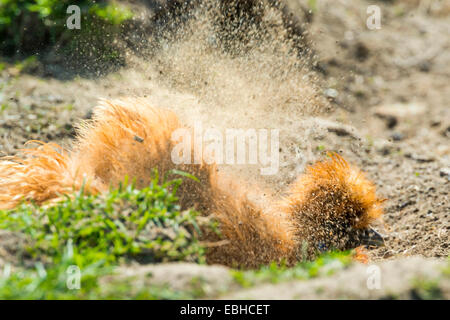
x,y
398,96
404,278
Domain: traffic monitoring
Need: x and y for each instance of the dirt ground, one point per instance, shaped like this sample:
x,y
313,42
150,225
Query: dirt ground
x,y
399,98
404,278
381,98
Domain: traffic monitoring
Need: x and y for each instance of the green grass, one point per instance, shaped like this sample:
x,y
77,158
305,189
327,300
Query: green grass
x,y
325,264
125,222
446,271
111,13
3,107
96,233
426,290
26,64
52,283
312,4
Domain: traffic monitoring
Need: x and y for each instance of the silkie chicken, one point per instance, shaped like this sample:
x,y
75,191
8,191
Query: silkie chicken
x,y
331,206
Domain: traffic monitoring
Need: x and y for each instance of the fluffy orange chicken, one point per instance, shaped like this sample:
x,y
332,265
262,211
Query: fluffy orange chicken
x,y
332,205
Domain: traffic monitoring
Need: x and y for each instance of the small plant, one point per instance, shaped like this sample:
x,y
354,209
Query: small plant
x,y
27,26
325,264
111,13
426,290
27,64
312,4
446,271
3,107
124,223
51,282
96,233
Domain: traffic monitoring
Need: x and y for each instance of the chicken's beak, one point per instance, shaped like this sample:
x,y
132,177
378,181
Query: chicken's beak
x,y
371,238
